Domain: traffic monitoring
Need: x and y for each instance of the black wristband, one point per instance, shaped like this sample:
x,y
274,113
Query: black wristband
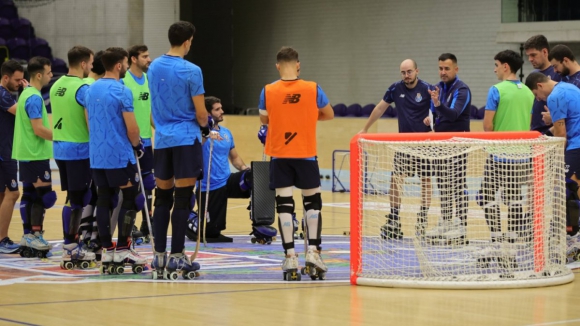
x,y
204,131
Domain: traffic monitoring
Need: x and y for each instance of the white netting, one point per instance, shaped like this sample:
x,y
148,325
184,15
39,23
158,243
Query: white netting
x,y
496,216
340,170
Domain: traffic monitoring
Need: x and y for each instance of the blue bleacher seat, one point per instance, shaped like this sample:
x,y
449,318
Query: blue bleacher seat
x,y
8,9
39,47
367,110
59,66
6,29
19,48
354,110
339,110
22,28
390,112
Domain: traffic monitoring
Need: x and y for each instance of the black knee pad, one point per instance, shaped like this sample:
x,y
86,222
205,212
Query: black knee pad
x,y
76,198
282,205
164,197
312,202
183,198
130,198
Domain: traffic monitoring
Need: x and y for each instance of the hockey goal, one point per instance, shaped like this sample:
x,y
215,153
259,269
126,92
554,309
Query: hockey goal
x,y
475,210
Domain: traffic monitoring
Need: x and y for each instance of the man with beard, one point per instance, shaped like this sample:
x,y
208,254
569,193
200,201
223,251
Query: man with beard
x,y
223,183
537,49
113,139
136,81
413,101
564,63
71,148
12,77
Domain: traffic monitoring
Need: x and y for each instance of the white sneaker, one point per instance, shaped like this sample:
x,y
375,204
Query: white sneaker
x,y
107,255
75,251
456,232
313,258
34,241
128,256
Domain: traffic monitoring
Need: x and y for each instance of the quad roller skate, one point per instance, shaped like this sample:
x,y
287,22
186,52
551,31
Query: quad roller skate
x,y
126,256
505,258
158,265
74,255
457,235
290,269
315,267
137,236
263,234
391,229
180,263
34,245
107,263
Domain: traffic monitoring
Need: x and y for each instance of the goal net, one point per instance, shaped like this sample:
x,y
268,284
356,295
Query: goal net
x,y
458,210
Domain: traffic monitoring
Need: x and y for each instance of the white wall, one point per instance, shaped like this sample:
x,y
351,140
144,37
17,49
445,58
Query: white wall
x,y
103,23
158,16
353,49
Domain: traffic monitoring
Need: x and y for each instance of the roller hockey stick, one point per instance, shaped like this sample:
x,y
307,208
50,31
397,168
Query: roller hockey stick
x,y
145,205
199,221
198,242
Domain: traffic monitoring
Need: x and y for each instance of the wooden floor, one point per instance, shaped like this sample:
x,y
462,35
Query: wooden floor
x,y
199,303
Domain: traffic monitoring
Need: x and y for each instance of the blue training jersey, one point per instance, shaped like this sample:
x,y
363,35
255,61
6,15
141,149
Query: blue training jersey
x,y
220,165
64,150
564,103
412,105
537,122
109,146
173,81
7,119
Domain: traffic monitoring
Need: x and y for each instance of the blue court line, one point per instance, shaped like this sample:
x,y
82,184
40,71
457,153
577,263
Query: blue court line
x,y
17,322
165,296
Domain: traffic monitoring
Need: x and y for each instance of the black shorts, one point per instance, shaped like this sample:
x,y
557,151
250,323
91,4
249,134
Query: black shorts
x,y
286,172
33,170
572,161
75,175
411,165
8,175
146,161
179,162
113,178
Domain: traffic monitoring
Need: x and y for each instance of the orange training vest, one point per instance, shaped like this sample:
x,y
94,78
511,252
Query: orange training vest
x,y
293,113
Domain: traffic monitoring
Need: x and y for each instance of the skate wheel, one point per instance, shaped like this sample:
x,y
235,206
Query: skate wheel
x,y
302,235
120,269
313,277
322,276
85,265
40,255
137,269
69,265
189,275
303,271
284,276
253,240
173,276
154,274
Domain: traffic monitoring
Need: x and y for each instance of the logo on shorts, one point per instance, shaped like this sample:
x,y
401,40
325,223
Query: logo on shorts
x,y
566,168
46,175
291,99
136,177
13,184
418,98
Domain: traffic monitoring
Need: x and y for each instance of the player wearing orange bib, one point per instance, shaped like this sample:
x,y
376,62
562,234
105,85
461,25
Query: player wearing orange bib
x,y
289,111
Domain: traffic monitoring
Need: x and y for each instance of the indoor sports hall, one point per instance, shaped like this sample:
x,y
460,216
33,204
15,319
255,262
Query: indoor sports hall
x,y
352,50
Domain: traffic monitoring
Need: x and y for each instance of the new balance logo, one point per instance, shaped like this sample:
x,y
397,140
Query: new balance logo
x,y
291,99
289,136
60,91
143,96
58,124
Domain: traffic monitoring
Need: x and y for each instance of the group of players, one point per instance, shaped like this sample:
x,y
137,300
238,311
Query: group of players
x,y
104,112
548,102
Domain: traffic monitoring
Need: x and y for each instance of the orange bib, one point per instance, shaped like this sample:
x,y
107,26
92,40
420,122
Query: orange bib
x,y
293,113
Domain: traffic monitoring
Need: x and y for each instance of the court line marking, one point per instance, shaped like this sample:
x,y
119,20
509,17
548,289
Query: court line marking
x,y
170,295
556,322
17,322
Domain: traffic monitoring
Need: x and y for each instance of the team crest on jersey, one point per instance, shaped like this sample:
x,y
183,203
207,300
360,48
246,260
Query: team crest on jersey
x,y
46,175
418,98
13,184
136,177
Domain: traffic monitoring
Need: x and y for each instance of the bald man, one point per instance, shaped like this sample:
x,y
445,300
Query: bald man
x,y
412,99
